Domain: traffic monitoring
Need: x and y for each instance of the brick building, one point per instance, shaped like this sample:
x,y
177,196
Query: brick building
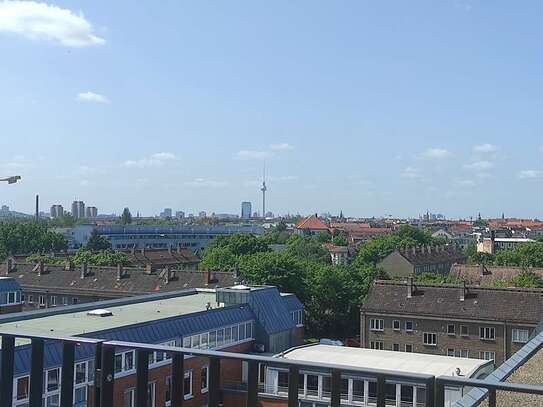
x,y
253,318
463,321
411,260
10,295
53,285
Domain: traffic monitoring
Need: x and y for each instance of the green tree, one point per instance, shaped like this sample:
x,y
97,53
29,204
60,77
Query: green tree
x,y
126,217
219,259
322,237
307,249
339,241
29,237
101,258
97,242
528,280
522,255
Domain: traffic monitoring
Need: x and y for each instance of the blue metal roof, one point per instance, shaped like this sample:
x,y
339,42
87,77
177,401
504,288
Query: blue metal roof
x,y
271,310
157,331
9,284
292,302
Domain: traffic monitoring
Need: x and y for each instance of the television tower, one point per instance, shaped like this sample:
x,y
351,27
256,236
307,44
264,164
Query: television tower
x,y
264,189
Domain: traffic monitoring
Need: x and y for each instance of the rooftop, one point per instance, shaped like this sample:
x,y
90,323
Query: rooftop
x,y
388,360
488,275
519,305
78,322
312,222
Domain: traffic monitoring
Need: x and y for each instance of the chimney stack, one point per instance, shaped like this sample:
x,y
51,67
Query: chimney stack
x,y
463,291
83,270
9,265
143,250
119,272
410,287
414,250
37,207
40,267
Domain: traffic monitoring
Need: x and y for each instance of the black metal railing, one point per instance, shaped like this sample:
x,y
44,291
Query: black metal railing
x,y
104,376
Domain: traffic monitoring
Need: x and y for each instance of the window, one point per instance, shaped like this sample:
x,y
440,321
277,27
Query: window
x,y
41,300
204,381
168,395
80,372
451,329
450,352
187,385
64,300
118,364
52,400
408,326
377,345
213,339
228,335
23,298
151,388
464,353
487,333
408,348
519,335
249,330
128,400
377,324
30,299
396,347
80,396
235,333
75,300
487,355
430,338
242,334
186,342
12,297
52,380
129,360
464,330
220,337
53,300
396,325
23,386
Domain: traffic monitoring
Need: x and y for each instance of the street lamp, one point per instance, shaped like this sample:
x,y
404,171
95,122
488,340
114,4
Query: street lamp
x,y
11,180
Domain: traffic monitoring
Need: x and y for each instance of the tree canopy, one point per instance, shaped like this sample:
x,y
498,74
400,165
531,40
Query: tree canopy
x,y
29,237
97,242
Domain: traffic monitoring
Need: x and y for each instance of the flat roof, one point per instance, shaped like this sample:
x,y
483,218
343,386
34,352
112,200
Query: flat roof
x,y
387,360
79,323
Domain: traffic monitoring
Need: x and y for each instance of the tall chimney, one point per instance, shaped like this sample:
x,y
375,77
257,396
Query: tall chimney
x,y
83,270
410,287
463,291
40,268
37,207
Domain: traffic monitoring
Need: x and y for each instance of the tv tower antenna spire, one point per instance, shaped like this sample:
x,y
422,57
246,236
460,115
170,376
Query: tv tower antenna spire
x,y
264,189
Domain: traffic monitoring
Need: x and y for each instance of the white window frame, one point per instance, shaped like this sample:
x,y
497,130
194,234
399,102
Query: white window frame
x,y
396,325
190,394
453,333
487,355
428,335
409,329
520,335
411,347
487,333
204,389
14,293
377,325
467,331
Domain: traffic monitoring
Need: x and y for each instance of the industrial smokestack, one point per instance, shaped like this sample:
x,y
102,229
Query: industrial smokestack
x,y
37,207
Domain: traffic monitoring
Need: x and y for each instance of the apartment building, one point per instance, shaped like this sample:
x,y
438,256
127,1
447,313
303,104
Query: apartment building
x,y
410,260
252,318
463,321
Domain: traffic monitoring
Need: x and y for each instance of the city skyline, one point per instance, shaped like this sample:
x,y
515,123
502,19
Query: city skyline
x,y
385,111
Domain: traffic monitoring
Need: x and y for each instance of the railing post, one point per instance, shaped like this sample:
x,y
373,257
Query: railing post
x,y
214,381
335,398
293,379
6,383
67,377
252,385
178,380
439,393
491,397
97,373
430,390
380,390
36,373
107,375
142,377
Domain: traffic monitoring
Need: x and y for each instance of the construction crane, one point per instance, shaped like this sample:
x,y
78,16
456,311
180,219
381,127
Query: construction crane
x,y
11,180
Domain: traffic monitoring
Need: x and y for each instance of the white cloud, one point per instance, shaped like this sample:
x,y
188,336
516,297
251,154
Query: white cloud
x,y
466,183
206,183
40,21
530,174
479,165
410,173
436,152
485,148
154,160
281,146
92,97
253,155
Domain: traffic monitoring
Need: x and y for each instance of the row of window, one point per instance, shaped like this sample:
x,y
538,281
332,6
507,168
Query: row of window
x,y
298,317
83,374
485,333
11,298
219,337
53,300
459,353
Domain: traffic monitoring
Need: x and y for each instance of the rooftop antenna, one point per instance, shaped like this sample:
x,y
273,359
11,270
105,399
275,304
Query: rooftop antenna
x,y
264,189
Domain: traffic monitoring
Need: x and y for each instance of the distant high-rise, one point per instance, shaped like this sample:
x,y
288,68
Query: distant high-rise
x,y
166,213
246,209
179,214
91,212
57,211
4,208
202,214
78,209
264,189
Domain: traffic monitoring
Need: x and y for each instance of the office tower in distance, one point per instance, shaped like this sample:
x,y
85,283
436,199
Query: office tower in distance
x,y
57,211
179,214
246,208
78,209
91,212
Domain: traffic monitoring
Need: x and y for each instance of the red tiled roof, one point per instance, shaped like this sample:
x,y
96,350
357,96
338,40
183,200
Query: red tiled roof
x,y
313,223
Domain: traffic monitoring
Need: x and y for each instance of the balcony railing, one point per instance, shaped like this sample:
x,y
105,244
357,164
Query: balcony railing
x,y
105,376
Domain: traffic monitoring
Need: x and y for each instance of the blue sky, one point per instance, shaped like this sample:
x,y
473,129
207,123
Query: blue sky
x,y
373,108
